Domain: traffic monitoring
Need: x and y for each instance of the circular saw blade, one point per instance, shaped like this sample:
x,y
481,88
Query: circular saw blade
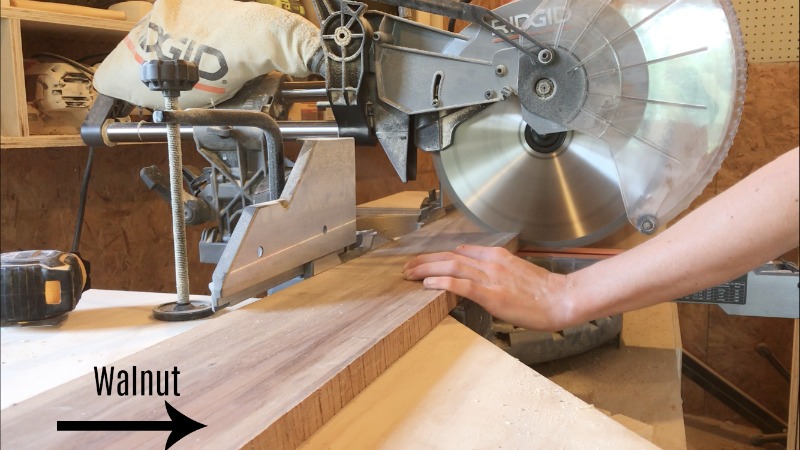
x,y
566,196
662,88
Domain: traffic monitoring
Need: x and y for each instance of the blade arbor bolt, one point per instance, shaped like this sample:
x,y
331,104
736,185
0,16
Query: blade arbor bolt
x,y
544,88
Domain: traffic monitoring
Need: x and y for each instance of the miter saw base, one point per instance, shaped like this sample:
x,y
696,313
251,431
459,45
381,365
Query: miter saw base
x,y
535,347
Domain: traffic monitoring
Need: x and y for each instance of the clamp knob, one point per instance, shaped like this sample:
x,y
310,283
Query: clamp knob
x,y
170,76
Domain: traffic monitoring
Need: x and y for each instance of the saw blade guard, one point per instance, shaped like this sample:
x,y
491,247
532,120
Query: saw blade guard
x,y
665,82
644,98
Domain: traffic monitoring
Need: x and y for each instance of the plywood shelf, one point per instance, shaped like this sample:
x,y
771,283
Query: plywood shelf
x,y
26,32
55,140
53,21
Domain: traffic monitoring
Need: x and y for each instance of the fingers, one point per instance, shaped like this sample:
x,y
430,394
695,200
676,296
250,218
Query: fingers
x,y
483,253
439,257
471,262
470,251
427,258
449,265
507,286
462,287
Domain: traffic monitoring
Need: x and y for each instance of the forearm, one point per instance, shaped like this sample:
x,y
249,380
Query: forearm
x,y
752,222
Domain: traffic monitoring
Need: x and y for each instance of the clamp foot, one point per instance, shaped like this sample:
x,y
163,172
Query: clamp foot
x,y
177,312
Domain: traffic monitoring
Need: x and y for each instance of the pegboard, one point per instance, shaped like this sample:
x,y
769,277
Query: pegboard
x,y
770,29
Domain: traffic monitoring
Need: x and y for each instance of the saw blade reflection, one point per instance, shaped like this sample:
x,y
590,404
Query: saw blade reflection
x,y
554,197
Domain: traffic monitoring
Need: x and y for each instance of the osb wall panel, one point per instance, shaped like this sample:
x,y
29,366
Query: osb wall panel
x,y
376,178
127,234
769,127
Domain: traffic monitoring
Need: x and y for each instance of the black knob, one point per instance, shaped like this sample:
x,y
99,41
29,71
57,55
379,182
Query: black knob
x,y
169,76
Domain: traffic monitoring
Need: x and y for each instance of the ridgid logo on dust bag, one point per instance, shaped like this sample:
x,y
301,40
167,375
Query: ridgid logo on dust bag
x,y
276,40
155,43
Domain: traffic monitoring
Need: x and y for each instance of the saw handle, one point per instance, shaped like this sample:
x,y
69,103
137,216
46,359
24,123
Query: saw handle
x,y
447,8
474,14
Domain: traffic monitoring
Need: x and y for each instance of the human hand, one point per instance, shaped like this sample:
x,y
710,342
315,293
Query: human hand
x,y
507,286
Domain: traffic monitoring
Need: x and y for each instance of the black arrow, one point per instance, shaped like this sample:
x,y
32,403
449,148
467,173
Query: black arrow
x,y
180,425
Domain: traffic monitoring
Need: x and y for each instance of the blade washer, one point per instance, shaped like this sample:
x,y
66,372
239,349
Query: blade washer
x,y
544,143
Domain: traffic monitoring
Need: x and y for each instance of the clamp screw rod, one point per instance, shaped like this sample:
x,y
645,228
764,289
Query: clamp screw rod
x,y
176,192
171,77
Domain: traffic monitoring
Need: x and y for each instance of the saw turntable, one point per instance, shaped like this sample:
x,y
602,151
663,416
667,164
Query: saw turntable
x,y
559,120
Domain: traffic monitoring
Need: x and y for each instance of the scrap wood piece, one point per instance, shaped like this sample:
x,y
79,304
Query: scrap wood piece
x,y
270,374
456,390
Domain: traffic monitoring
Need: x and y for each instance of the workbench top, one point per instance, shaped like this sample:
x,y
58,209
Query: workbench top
x,y
105,327
451,380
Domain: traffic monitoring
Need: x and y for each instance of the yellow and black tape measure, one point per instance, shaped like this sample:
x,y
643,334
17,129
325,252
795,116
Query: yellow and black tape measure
x,y
40,284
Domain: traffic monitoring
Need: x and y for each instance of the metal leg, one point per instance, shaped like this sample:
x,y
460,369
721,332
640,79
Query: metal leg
x,y
716,385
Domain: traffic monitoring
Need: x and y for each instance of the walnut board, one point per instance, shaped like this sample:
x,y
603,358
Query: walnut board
x,y
270,374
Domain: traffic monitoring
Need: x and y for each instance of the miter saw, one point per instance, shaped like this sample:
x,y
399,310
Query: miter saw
x,y
559,120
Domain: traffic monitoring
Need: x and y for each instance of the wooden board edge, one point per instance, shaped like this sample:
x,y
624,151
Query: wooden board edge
x,y
70,20
316,410
40,141
14,107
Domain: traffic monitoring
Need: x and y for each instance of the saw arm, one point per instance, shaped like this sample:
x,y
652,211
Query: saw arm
x,y
594,113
